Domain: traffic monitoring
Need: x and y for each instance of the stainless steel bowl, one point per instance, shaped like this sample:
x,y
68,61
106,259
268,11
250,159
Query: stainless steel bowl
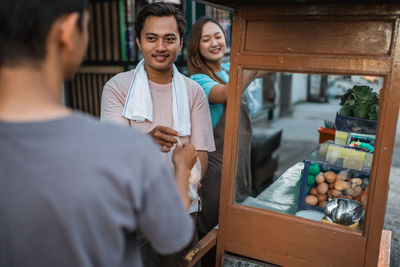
x,y
344,211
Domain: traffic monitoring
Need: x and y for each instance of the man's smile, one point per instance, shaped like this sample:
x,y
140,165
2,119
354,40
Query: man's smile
x,y
160,57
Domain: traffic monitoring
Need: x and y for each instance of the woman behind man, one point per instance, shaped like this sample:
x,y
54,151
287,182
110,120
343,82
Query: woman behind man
x,y
206,49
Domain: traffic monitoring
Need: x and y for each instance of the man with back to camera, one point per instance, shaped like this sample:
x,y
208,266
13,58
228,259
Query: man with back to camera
x,y
74,191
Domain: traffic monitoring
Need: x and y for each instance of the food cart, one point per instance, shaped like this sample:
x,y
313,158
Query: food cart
x,y
315,37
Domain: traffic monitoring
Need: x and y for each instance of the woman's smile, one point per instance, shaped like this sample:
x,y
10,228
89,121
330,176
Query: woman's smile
x,y
215,51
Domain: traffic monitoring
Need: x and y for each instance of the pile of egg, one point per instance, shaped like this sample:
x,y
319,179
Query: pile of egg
x,y
331,185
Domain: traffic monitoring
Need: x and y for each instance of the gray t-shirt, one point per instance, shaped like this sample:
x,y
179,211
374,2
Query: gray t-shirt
x,y
73,192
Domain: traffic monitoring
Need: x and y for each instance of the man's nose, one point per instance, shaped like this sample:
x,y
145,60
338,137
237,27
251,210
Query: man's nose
x,y
160,46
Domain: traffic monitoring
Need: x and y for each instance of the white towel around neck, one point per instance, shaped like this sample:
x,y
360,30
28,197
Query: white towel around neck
x,y
139,106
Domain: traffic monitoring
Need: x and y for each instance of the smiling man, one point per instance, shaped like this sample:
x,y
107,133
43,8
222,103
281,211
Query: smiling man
x,y
155,97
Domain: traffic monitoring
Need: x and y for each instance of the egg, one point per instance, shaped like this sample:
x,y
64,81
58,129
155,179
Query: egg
x,y
311,200
320,178
323,204
357,191
348,192
335,193
340,185
322,188
356,181
342,175
313,191
322,197
330,177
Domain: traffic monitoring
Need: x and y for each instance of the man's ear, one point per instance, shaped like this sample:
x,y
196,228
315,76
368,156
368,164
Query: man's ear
x,y
68,29
138,43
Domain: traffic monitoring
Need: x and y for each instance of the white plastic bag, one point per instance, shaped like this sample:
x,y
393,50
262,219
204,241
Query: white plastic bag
x,y
195,177
194,180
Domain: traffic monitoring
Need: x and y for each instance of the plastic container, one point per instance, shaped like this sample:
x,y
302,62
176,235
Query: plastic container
x,y
355,125
342,156
324,167
326,134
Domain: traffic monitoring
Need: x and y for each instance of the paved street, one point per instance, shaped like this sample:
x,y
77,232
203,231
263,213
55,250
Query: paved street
x,y
392,217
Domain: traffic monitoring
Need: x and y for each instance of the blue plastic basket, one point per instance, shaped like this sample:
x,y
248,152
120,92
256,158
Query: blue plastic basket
x,y
324,168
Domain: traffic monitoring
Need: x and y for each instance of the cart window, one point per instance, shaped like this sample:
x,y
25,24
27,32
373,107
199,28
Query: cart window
x,y
306,143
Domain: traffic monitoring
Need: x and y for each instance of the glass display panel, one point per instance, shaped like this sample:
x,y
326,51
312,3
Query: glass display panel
x,y
306,143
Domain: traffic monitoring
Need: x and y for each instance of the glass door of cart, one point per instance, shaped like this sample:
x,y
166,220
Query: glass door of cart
x,y
325,202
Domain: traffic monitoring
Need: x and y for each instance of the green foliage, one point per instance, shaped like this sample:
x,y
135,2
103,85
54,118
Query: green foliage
x,y
360,102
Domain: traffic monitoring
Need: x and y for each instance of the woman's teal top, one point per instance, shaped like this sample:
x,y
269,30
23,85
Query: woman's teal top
x,y
206,82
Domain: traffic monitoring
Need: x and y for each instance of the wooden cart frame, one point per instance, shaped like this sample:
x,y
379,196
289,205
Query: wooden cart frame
x,y
324,39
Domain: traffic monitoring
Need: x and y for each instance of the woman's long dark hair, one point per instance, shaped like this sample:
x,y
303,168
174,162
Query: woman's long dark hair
x,y
197,63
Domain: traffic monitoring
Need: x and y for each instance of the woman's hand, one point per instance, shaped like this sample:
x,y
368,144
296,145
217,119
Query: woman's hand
x,y
247,77
164,136
219,92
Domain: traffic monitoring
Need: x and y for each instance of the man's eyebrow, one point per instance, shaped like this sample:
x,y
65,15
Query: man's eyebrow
x,y
166,35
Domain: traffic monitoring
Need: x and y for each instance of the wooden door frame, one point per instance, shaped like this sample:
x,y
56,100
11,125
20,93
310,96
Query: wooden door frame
x,y
288,240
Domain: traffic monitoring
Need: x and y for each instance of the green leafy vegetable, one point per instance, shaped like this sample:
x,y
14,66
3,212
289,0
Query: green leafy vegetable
x,y
360,102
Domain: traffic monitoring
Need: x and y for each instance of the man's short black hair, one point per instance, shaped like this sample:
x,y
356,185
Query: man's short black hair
x,y
160,9
25,25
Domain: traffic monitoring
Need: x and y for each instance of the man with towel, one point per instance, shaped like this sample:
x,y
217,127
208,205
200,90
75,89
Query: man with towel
x,y
155,97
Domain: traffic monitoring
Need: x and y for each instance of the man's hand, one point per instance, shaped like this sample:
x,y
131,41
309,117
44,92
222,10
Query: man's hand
x,y
184,159
164,136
